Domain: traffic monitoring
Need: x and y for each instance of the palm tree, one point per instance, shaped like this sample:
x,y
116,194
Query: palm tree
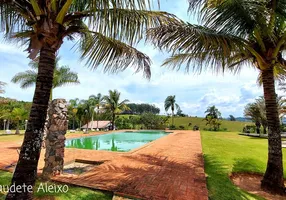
x,y
19,114
2,84
113,104
213,112
97,102
105,32
170,102
74,104
62,76
234,34
253,111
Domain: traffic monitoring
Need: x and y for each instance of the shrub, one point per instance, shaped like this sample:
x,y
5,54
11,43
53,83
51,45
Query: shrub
x,y
181,127
172,127
196,128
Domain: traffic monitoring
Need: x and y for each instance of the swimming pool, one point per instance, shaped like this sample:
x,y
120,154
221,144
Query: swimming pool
x,y
119,141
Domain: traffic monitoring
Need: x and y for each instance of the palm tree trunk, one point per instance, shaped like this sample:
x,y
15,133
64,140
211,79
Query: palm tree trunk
x,y
73,122
113,120
273,177
17,129
172,117
26,168
97,119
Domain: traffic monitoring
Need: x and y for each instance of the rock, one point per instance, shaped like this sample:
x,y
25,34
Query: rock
x,y
55,140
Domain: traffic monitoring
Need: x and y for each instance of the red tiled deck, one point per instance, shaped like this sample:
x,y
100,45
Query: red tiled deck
x,y
168,168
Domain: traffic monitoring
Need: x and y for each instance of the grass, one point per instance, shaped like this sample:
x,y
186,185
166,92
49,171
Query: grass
x,y
73,192
229,125
227,152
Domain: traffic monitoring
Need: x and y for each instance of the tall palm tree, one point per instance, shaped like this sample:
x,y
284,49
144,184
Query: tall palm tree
x,y
62,76
231,35
74,104
170,102
105,32
98,103
112,103
2,84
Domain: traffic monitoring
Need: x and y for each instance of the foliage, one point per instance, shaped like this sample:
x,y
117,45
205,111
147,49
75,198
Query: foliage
x,y
181,127
172,127
62,75
213,112
15,112
170,103
122,123
138,109
152,121
113,104
257,113
231,118
2,84
196,128
180,113
213,118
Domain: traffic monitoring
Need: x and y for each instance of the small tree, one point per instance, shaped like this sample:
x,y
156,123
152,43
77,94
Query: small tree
x,y
232,118
170,103
212,118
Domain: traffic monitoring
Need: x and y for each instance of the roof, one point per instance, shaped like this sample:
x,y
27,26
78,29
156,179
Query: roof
x,y
101,124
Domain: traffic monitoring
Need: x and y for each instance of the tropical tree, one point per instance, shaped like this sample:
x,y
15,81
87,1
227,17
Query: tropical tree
x,y
213,112
97,103
105,32
18,115
233,34
73,103
170,103
112,103
232,118
2,84
62,76
213,117
253,111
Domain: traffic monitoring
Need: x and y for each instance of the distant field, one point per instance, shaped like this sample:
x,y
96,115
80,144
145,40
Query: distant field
x,y
230,125
234,126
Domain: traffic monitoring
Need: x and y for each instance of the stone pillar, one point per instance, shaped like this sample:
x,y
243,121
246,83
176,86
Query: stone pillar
x,y
55,139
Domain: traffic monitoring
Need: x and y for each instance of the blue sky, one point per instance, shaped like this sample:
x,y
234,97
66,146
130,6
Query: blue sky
x,y
194,93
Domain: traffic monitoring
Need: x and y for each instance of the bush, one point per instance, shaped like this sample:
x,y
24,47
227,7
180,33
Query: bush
x,y
172,127
196,128
181,127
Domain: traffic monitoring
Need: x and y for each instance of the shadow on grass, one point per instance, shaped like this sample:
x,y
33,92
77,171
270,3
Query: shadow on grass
x,y
219,184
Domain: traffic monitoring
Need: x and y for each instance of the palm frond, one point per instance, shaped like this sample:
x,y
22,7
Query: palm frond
x,y
196,44
25,79
2,85
120,23
115,55
63,76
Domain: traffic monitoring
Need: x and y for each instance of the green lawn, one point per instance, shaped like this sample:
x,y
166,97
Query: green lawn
x,y
73,192
226,152
229,125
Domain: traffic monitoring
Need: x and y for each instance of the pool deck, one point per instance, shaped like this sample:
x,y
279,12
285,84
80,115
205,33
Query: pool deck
x,y
171,167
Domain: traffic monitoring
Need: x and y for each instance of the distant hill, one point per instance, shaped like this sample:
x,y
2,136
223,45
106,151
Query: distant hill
x,y
242,119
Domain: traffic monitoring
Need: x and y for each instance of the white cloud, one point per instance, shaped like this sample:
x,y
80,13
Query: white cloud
x,y
193,92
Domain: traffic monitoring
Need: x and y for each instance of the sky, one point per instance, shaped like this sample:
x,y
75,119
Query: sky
x,y
194,93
